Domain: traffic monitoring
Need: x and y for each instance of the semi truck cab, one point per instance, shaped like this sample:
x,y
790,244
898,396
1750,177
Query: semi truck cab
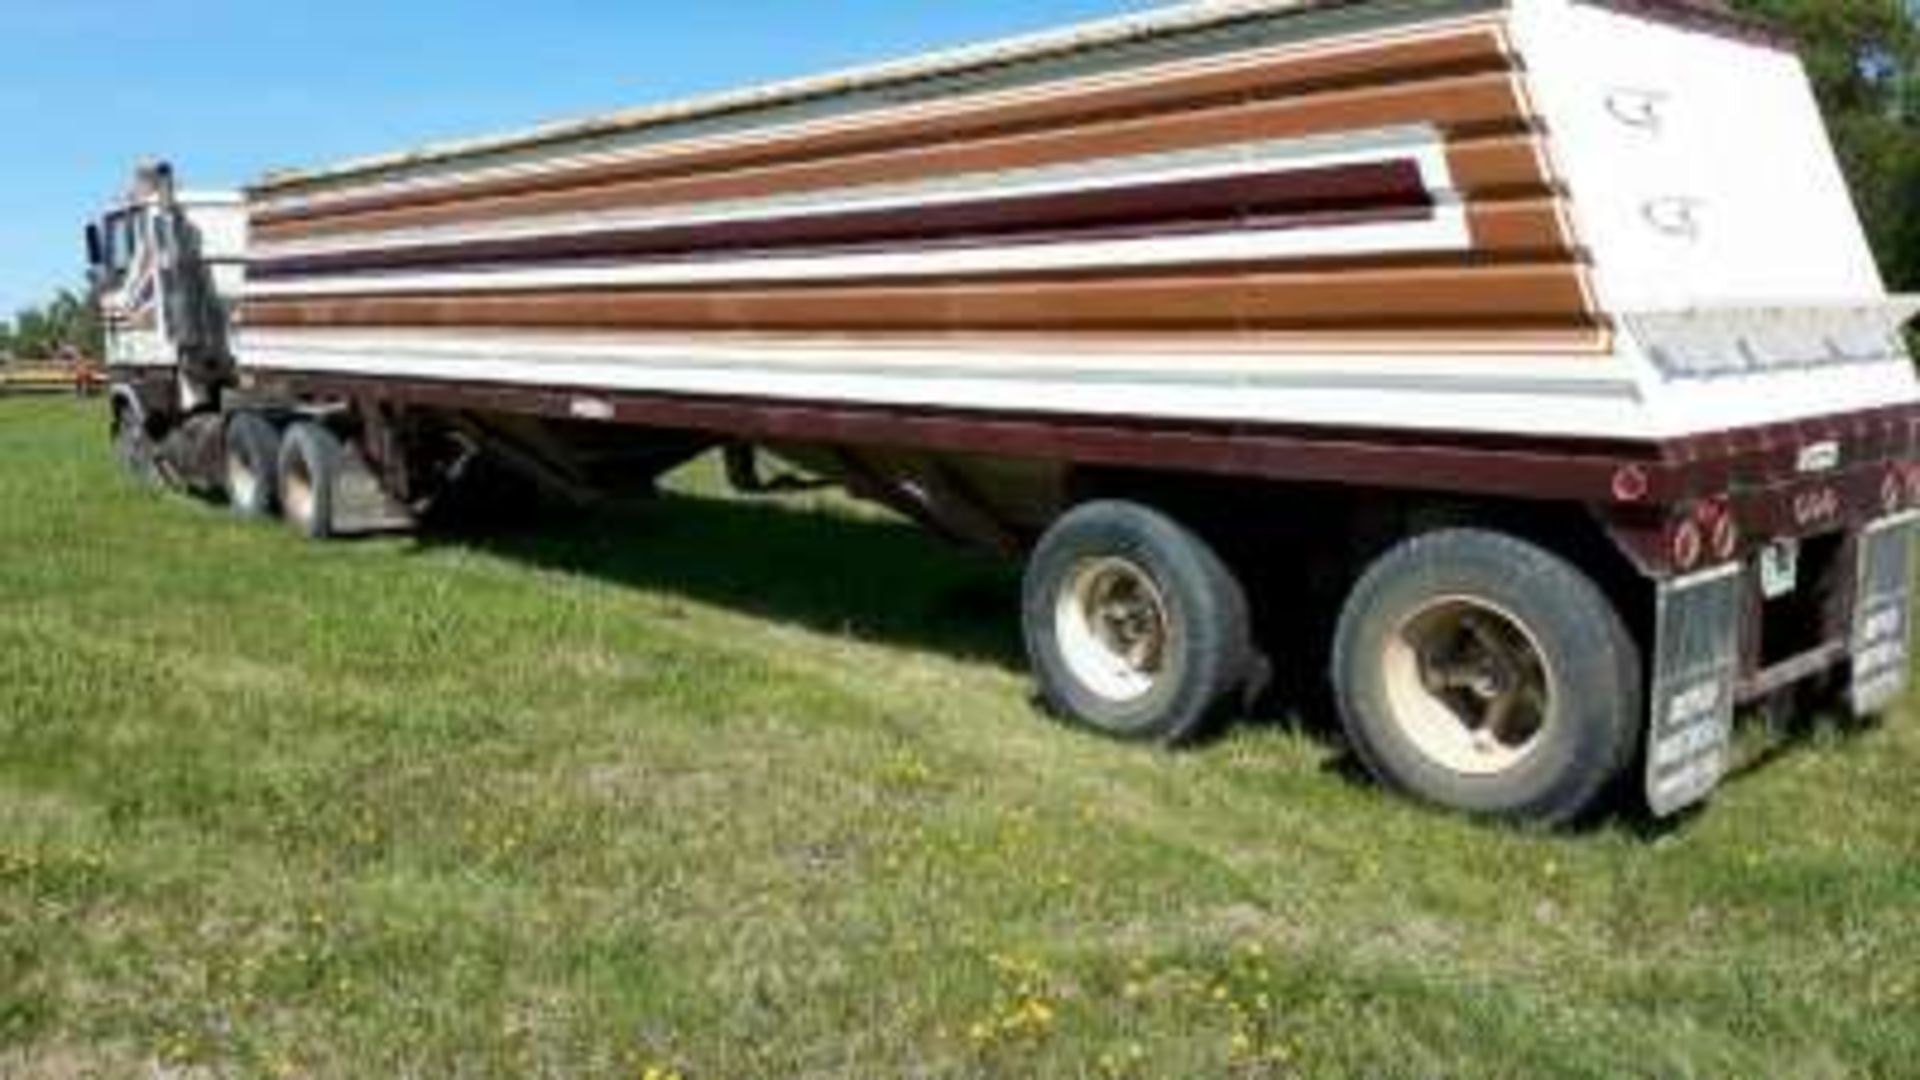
x,y
167,267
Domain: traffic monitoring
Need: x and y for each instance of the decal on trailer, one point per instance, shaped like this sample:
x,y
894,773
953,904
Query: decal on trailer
x,y
1695,677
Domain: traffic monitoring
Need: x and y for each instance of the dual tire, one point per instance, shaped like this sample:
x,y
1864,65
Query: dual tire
x,y
292,472
1471,669
1482,673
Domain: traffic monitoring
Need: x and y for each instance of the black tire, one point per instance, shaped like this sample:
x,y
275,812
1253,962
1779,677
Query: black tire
x,y
1206,652
309,473
1396,699
134,449
252,465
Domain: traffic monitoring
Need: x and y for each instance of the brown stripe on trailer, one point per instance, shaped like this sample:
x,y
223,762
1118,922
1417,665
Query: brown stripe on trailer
x,y
1520,293
703,171
1520,227
1486,102
1353,193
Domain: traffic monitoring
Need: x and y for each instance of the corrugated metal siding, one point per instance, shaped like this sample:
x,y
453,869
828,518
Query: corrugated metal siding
x,y
1392,181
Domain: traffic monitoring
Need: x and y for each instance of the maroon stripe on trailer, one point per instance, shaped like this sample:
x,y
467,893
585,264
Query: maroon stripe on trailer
x,y
1360,193
1440,462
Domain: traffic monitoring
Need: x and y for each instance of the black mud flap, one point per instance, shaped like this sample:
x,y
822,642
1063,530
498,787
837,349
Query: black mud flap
x,y
1882,620
1695,682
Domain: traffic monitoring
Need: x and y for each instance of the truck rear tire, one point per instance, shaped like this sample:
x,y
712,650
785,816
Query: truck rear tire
x,y
1134,626
309,473
252,456
1484,674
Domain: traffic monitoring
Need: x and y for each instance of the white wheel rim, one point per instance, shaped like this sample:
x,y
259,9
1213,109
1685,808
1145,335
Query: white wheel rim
x,y
1112,627
243,484
1468,685
298,496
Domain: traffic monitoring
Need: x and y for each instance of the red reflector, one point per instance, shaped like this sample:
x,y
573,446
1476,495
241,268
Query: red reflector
x,y
1687,545
1630,483
1725,535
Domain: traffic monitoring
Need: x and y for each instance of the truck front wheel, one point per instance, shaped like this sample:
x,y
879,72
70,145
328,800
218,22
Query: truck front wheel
x,y
1134,626
309,473
133,447
1484,674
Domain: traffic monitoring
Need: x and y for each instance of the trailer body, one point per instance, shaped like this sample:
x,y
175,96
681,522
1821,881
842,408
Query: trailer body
x,y
1584,272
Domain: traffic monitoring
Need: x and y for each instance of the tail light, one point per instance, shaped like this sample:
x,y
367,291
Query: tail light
x,y
1707,531
1895,489
1687,544
1631,484
1721,528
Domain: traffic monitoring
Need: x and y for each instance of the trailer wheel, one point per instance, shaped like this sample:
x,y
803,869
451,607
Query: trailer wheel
x,y
252,465
1487,675
1134,626
309,473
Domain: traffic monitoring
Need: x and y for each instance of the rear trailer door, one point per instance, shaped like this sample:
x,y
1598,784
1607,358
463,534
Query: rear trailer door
x,y
1724,241
1697,160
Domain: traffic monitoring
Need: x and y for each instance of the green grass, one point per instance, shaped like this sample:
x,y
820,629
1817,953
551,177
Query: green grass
x,y
750,790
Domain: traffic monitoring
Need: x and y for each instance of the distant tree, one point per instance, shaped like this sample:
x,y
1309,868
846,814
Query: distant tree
x,y
33,335
77,324
68,322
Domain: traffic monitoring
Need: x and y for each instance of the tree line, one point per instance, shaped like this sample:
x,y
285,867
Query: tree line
x,y
68,324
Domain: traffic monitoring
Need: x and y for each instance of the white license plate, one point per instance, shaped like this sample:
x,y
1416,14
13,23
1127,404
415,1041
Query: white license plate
x,y
1780,569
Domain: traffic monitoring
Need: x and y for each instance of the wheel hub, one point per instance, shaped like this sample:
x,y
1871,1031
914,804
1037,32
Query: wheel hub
x,y
1112,627
1468,685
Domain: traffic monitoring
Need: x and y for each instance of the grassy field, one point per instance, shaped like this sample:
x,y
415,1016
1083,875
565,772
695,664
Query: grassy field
x,y
751,790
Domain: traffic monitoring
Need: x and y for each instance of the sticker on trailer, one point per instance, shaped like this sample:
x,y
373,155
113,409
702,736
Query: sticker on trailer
x,y
1695,682
1882,624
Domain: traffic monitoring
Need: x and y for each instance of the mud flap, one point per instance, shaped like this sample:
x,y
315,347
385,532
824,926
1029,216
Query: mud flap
x,y
1882,622
1695,675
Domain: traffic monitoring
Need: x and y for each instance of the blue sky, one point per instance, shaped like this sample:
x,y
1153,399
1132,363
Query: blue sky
x,y
227,89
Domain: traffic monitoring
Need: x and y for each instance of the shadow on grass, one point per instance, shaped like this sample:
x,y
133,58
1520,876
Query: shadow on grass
x,y
886,581
870,578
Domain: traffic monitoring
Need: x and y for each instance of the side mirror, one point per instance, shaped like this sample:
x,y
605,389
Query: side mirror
x,y
96,247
